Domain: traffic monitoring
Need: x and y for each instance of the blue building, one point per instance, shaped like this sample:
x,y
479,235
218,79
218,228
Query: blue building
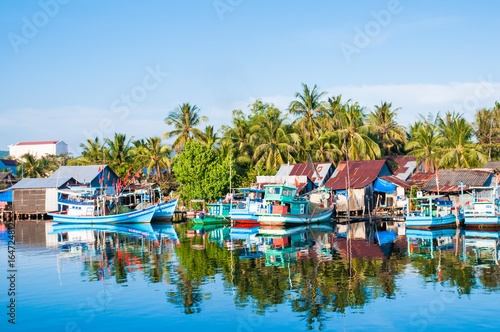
x,y
93,175
9,164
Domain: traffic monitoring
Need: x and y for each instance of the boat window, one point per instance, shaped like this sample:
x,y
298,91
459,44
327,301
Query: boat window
x,y
285,192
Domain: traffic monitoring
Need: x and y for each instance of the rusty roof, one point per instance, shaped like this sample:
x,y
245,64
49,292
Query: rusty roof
x,y
361,173
404,164
420,179
451,178
304,169
397,181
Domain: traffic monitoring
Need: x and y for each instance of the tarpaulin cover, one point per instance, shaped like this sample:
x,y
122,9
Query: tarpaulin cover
x,y
384,186
6,196
341,192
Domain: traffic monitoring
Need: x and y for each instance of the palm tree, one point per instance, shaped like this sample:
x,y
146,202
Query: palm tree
x,y
274,141
424,142
458,151
185,118
330,112
307,107
31,167
357,144
487,130
154,155
383,124
209,137
118,154
327,148
92,153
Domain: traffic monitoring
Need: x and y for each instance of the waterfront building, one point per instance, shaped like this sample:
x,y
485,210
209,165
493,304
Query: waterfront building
x,y
95,176
38,195
359,177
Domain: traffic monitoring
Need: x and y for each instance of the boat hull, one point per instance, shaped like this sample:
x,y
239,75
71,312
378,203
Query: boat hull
x,y
428,222
482,220
141,216
166,210
210,220
272,219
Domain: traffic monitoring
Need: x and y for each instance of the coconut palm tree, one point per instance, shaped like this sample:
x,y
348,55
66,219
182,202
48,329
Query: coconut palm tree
x,y
307,107
274,141
330,114
92,153
327,147
209,137
118,155
382,122
185,118
353,132
458,150
31,167
425,142
154,155
487,130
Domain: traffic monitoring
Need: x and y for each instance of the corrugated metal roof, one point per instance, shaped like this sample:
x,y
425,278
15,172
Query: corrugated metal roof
x,y
361,173
451,178
37,143
81,173
420,179
33,183
397,181
406,166
492,164
304,169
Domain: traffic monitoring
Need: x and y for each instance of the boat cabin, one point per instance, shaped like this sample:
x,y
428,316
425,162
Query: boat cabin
x,y
282,200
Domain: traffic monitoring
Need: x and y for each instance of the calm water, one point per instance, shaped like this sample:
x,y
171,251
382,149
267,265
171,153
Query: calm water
x,y
323,277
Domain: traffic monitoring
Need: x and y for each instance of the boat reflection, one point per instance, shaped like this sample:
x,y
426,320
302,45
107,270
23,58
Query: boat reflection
x,y
425,242
482,245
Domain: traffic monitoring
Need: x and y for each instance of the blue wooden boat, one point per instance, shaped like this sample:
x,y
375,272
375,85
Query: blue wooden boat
x,y
165,210
246,209
285,208
424,242
433,212
165,231
86,206
484,209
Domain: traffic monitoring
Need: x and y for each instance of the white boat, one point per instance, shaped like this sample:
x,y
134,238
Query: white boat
x,y
485,207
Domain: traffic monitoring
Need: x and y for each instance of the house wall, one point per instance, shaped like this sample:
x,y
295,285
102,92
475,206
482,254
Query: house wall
x,y
29,200
39,150
61,148
357,199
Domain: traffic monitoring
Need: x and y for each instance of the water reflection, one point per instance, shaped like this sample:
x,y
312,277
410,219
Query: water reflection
x,y
315,270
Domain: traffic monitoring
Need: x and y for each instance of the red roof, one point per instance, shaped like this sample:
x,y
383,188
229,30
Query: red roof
x,y
37,143
361,173
359,249
420,179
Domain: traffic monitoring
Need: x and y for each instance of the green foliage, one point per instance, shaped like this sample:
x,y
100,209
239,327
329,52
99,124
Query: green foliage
x,y
201,172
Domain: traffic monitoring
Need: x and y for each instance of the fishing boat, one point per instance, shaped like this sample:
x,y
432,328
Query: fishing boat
x,y
424,242
283,207
485,245
165,210
433,212
484,209
245,210
217,213
84,205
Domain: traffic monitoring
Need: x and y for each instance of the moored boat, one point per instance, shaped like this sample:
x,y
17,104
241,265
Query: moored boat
x,y
433,212
246,209
217,213
484,209
283,207
85,206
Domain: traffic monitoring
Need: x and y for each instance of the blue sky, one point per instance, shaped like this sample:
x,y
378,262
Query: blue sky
x,y
73,69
